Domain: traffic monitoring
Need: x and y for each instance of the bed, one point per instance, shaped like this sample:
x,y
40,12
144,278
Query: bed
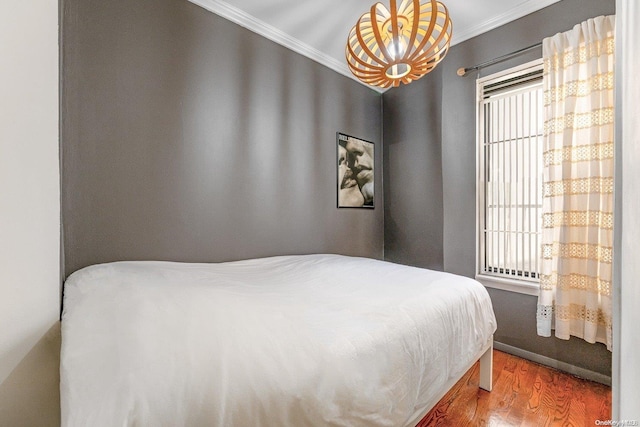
x,y
310,340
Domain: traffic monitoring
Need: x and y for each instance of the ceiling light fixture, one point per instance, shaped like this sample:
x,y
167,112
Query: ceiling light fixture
x,y
386,47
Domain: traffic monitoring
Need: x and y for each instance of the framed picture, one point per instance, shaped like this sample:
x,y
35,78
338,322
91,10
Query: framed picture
x,y
355,172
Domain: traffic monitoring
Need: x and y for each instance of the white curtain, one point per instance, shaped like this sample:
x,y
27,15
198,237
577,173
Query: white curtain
x,y
577,234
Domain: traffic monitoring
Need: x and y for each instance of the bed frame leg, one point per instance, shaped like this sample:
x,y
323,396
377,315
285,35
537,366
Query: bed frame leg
x,y
486,369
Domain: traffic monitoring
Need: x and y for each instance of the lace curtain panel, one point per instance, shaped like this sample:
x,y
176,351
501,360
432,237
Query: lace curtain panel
x,y
577,233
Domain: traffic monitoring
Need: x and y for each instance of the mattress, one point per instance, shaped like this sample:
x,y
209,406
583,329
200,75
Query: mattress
x,y
312,340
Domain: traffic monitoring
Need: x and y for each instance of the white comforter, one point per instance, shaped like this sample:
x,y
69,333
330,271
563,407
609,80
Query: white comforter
x,y
284,341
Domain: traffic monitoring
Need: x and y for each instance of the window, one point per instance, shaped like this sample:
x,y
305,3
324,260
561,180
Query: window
x,y
510,125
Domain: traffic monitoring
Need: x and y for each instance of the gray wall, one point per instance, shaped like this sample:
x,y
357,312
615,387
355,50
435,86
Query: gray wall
x,y
413,173
515,312
186,137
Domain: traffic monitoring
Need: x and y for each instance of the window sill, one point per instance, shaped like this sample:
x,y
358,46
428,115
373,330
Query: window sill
x,y
517,286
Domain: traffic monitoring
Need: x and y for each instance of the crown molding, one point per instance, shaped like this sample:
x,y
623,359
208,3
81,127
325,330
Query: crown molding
x,y
512,14
240,17
259,27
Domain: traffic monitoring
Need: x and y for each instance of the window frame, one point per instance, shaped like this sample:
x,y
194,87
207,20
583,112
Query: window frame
x,y
528,287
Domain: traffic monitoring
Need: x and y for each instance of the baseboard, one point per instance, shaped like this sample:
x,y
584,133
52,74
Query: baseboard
x,y
553,363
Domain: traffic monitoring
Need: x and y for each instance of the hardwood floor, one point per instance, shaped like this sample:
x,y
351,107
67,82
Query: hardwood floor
x,y
524,394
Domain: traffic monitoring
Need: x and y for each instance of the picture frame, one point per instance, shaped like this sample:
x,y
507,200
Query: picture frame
x,y
355,172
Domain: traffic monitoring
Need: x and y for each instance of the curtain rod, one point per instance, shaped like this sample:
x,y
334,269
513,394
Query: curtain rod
x,y
463,71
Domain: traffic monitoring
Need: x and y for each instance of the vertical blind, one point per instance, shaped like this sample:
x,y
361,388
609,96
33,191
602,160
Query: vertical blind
x,y
511,128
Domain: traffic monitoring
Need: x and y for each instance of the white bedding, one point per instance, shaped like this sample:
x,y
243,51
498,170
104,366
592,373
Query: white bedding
x,y
283,341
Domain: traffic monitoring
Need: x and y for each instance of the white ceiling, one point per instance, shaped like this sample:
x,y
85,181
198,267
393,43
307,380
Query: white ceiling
x,y
318,29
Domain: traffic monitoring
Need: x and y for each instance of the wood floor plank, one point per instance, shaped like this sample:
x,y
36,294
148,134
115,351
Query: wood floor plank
x,y
525,394
523,386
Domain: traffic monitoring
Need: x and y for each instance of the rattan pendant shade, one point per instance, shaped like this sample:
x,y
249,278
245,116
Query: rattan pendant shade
x,y
386,47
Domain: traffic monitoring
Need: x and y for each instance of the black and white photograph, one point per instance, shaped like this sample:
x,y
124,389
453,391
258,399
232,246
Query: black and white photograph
x,y
355,172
